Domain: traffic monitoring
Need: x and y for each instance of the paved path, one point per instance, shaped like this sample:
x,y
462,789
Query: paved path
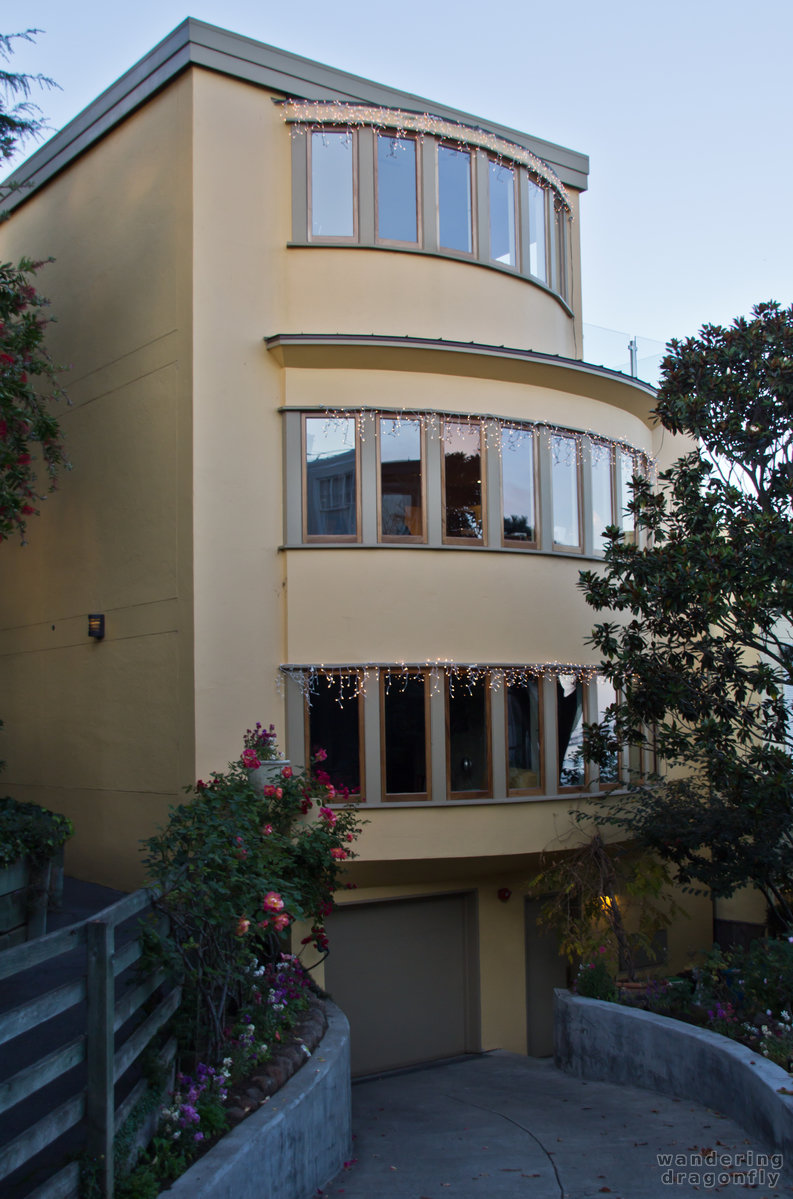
x,y
502,1126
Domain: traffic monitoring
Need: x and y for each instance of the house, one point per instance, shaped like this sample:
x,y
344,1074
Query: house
x,y
337,464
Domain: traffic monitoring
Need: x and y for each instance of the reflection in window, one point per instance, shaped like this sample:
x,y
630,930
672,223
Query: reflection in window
x,y
502,213
602,493
468,737
333,725
628,468
564,480
405,734
517,485
400,478
332,210
331,493
523,733
605,697
454,199
570,730
462,472
397,208
538,263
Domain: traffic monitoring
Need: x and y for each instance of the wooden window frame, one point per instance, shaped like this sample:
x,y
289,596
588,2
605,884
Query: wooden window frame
x,y
610,447
409,538
540,788
471,255
393,241
512,542
558,546
514,267
447,539
329,538
333,239
360,798
411,796
584,785
462,795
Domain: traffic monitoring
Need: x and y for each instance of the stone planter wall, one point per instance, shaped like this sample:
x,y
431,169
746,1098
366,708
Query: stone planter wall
x,y
292,1145
605,1042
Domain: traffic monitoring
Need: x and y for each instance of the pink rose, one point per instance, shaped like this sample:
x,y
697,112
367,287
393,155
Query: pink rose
x,y
321,755
273,902
328,815
339,854
249,759
286,773
242,926
281,921
267,830
331,790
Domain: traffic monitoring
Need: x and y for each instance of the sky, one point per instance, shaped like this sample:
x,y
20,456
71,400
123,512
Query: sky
x,y
684,108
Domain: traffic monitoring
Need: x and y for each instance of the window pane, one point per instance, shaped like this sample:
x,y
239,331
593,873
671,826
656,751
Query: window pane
x,y
331,184
502,214
523,731
333,726
454,199
331,508
627,470
564,478
538,261
602,490
605,697
517,484
462,463
468,759
569,724
396,189
400,478
405,736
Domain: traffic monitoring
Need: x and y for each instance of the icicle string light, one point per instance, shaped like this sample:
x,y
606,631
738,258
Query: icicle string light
x,y
400,123
352,680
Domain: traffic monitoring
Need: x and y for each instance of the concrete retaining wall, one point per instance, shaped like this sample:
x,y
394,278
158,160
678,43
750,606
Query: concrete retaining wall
x,y
609,1043
292,1145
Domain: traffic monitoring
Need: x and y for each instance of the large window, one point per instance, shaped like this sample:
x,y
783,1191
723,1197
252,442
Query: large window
x,y
332,184
570,730
401,480
538,257
602,493
462,477
518,486
405,735
627,470
523,738
468,761
605,696
455,226
502,214
334,725
331,496
565,489
397,193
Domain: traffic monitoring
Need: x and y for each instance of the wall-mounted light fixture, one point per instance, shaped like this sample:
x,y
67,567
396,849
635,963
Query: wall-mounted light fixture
x,y
504,894
96,625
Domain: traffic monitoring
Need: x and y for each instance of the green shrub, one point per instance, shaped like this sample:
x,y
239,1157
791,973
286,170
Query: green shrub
x,y
594,979
30,831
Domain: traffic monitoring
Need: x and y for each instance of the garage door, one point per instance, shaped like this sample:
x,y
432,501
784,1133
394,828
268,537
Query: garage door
x,y
405,974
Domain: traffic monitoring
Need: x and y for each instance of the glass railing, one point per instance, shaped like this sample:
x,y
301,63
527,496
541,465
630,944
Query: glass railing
x,y
639,357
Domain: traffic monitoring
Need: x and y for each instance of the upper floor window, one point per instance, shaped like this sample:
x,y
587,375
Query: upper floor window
x,y
523,738
330,505
570,730
335,724
332,184
518,449
628,468
455,225
468,754
405,734
397,192
462,478
601,458
538,258
401,480
502,214
565,489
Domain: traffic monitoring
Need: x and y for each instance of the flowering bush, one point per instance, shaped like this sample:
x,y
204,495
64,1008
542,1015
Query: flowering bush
x,y
594,979
235,867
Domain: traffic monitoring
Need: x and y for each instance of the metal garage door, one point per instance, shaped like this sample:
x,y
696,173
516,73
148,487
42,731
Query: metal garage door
x,y
405,974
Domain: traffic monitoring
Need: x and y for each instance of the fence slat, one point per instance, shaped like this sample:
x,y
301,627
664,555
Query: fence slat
x,y
32,1078
141,1036
99,1051
33,953
33,1140
36,1011
63,1185
134,999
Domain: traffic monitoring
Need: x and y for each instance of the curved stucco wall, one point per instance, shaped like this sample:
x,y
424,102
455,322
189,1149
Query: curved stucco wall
x,y
295,1143
609,1043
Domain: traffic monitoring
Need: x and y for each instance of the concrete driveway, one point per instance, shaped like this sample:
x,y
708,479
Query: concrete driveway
x,y
502,1126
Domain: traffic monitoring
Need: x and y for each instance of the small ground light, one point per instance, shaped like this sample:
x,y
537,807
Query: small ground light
x,y
96,625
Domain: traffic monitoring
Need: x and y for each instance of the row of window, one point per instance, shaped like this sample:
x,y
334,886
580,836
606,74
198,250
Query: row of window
x,y
409,451
334,721
431,195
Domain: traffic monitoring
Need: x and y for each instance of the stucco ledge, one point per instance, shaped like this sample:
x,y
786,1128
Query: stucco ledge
x,y
292,1145
606,1042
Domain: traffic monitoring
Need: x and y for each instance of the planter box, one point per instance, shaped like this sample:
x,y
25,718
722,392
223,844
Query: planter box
x,y
606,1042
294,1143
24,896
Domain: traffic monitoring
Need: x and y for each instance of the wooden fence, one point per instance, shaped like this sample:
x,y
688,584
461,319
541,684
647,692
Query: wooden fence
x,y
93,991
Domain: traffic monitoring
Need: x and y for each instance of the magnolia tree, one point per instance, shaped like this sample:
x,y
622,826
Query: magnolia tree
x,y
31,450
701,656
235,867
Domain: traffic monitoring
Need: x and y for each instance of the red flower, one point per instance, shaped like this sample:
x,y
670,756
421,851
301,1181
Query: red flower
x,y
338,854
286,773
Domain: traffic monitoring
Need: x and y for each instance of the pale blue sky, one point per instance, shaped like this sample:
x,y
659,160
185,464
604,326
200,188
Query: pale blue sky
x,y
684,108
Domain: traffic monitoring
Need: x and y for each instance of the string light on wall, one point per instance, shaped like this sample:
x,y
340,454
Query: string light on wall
x,y
400,123
351,680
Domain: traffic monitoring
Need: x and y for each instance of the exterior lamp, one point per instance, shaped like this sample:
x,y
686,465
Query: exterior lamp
x,y
504,894
96,625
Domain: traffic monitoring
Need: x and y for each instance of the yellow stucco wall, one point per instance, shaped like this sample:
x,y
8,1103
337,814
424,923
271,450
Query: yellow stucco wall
x,y
103,731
